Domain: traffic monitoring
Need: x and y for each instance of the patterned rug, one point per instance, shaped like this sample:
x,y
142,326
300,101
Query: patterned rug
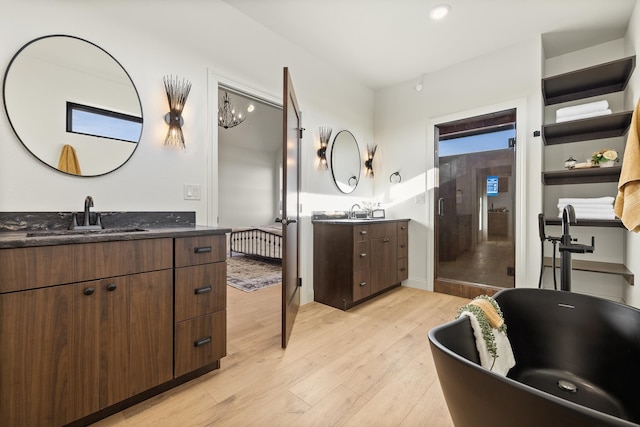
x,y
251,274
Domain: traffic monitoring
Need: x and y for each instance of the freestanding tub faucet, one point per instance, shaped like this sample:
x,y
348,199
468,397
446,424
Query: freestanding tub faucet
x,y
566,247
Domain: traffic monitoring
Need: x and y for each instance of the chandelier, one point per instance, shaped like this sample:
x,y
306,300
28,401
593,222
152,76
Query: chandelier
x,y
227,117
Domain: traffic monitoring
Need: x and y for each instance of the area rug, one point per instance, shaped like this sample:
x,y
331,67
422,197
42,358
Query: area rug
x,y
251,274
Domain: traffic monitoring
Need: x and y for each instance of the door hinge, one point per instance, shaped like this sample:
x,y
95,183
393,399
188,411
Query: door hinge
x,y
300,282
511,271
301,130
512,142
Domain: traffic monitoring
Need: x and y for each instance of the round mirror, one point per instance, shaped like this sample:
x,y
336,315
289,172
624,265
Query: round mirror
x,y
345,161
72,105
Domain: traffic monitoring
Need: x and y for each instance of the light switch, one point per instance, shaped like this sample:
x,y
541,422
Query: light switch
x,y
191,192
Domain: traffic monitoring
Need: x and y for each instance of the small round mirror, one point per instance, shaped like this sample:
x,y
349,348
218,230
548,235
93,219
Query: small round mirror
x,y
345,161
72,105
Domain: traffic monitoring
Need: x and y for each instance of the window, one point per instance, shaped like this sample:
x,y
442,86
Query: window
x,y
86,120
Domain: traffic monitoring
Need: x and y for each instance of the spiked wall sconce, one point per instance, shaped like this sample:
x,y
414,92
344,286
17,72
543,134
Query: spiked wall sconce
x,y
177,93
368,164
325,136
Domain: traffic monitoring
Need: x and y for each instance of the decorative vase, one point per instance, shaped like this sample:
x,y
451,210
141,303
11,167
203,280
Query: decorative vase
x,y
607,164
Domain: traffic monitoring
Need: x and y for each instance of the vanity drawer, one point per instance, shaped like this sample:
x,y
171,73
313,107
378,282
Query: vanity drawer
x,y
403,246
403,269
361,232
361,255
199,250
29,268
361,284
200,342
200,289
403,228
384,230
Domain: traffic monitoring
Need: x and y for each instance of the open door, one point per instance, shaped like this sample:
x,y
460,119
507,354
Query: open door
x,y
291,135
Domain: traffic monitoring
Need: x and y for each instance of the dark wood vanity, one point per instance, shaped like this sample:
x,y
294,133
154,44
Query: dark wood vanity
x,y
91,324
354,260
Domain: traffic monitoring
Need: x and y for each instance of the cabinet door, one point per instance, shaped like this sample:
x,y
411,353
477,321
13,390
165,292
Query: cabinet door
x,y
113,341
384,263
150,329
35,364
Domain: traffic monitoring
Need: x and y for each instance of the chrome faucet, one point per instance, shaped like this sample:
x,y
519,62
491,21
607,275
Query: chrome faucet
x,y
352,213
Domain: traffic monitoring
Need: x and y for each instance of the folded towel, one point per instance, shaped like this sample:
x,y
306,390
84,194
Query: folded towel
x,y
69,161
492,342
587,108
591,206
627,205
588,200
584,116
593,215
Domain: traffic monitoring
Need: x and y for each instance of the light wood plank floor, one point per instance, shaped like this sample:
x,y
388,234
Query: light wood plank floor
x,y
370,366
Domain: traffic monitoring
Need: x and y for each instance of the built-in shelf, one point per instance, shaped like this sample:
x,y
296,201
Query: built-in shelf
x,y
581,176
587,82
596,267
616,223
609,126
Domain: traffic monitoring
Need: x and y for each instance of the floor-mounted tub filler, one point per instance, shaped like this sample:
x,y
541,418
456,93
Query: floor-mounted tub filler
x,y
577,364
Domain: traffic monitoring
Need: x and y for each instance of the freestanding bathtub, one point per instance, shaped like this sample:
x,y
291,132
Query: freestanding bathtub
x,y
577,364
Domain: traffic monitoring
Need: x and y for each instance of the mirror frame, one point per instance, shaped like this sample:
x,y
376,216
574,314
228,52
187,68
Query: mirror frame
x,y
341,186
15,131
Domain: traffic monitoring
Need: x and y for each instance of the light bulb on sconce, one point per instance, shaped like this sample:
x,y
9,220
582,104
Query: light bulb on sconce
x,y
325,136
368,164
177,93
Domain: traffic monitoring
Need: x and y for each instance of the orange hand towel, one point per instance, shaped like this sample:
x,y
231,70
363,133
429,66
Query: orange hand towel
x,y
69,161
627,204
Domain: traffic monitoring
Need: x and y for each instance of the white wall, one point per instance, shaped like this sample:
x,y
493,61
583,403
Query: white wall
x,y
154,177
632,249
404,120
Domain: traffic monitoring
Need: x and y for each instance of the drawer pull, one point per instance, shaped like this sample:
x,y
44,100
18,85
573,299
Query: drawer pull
x,y
363,255
363,284
363,232
386,240
202,341
403,228
111,287
202,249
403,246
403,269
203,290
88,291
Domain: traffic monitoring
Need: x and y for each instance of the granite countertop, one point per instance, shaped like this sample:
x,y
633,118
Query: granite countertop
x,y
358,221
20,239
24,229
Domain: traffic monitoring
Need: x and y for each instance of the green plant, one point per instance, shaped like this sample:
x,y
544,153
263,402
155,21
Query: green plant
x,y
606,154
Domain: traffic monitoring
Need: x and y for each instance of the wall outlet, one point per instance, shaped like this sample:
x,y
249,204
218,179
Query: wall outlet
x,y
420,199
191,192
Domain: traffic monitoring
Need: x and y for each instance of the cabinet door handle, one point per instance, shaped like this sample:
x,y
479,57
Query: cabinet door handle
x,y
403,269
403,246
203,290
89,291
403,228
363,255
202,249
111,287
363,284
386,240
363,232
202,341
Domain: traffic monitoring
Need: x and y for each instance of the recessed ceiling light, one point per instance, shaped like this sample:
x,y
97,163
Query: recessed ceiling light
x,y
439,11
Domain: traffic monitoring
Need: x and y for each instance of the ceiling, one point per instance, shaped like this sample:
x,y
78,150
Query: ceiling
x,y
386,42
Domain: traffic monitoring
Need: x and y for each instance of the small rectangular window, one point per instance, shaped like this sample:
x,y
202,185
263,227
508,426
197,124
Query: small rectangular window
x,y
86,120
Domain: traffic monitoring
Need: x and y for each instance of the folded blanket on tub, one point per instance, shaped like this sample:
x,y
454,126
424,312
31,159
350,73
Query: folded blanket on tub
x,y
490,332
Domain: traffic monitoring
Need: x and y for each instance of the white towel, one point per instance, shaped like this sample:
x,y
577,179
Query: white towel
x,y
587,108
505,360
591,206
588,200
587,214
584,116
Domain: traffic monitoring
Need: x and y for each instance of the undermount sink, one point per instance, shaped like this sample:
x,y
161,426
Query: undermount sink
x,y
45,233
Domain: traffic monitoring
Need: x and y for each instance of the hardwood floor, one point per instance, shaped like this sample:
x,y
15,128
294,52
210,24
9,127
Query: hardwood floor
x,y
370,366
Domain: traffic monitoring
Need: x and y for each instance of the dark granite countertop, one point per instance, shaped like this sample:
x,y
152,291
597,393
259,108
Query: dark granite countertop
x,y
20,239
358,221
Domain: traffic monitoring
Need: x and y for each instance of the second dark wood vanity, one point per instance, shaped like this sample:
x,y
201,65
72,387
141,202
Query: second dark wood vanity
x,y
354,260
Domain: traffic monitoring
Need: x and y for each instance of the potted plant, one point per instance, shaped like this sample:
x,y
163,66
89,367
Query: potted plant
x,y
605,158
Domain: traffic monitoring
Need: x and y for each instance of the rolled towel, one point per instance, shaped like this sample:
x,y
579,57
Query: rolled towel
x,y
492,342
587,108
586,200
584,116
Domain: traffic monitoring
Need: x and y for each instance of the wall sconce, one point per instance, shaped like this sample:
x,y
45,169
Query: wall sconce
x,y
395,177
325,136
368,164
177,93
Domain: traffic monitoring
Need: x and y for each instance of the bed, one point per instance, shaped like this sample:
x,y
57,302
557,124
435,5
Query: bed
x,y
264,242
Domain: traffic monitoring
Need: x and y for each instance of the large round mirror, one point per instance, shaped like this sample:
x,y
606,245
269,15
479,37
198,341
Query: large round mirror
x,y
345,161
72,105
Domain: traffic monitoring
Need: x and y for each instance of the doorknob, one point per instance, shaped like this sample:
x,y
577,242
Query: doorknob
x,y
286,221
441,206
